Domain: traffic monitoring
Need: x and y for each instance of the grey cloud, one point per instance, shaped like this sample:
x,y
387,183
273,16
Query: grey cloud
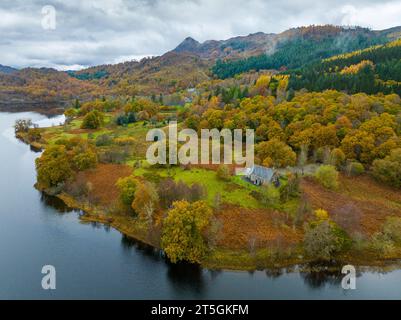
x,y
93,32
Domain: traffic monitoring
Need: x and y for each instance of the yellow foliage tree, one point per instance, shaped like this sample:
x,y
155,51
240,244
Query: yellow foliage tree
x,y
183,231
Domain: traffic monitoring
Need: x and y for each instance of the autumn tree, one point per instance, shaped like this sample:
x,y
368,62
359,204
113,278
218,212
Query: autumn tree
x,y
323,238
320,241
359,145
183,231
303,157
22,125
325,136
337,157
70,113
93,120
53,167
146,200
84,160
127,187
261,86
290,188
354,168
327,176
275,153
143,107
388,170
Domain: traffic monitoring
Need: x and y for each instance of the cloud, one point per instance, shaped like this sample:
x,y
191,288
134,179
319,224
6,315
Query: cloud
x,y
93,32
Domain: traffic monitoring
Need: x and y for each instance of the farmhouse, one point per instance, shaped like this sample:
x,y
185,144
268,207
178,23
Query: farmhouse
x,y
259,175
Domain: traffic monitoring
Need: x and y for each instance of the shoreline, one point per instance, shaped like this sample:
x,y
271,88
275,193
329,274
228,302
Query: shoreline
x,y
91,214
34,107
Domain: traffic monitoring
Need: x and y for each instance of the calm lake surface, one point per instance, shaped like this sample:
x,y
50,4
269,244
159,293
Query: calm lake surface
x,y
93,261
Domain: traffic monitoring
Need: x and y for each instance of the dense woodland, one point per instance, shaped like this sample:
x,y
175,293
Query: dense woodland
x,y
315,44
372,70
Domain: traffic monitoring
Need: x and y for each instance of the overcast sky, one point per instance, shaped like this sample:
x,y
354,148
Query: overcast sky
x,y
93,32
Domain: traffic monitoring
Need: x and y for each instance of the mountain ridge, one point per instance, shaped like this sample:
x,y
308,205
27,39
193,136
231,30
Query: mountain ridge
x,y
187,65
261,42
7,69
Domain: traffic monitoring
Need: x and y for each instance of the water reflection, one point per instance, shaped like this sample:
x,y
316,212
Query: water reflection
x,y
35,150
274,273
128,244
318,274
191,277
55,203
186,277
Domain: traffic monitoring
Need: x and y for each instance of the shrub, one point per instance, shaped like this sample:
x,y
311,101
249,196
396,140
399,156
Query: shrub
x,y
78,188
392,229
197,192
70,113
290,188
127,187
93,120
171,191
303,210
382,244
103,140
124,141
270,196
323,239
327,176
355,168
223,173
337,157
34,134
85,160
388,170
321,214
124,120
114,155
72,143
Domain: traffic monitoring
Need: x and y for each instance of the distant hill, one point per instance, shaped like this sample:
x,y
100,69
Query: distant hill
x,y
372,70
296,47
6,69
31,89
165,74
238,47
189,64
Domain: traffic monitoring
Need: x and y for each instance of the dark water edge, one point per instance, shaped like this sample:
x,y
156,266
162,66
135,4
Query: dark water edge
x,y
48,109
94,261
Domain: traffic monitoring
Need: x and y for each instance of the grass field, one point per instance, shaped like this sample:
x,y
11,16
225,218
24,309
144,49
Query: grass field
x,y
234,191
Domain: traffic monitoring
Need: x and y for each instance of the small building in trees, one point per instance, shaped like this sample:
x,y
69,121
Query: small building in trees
x,y
260,175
